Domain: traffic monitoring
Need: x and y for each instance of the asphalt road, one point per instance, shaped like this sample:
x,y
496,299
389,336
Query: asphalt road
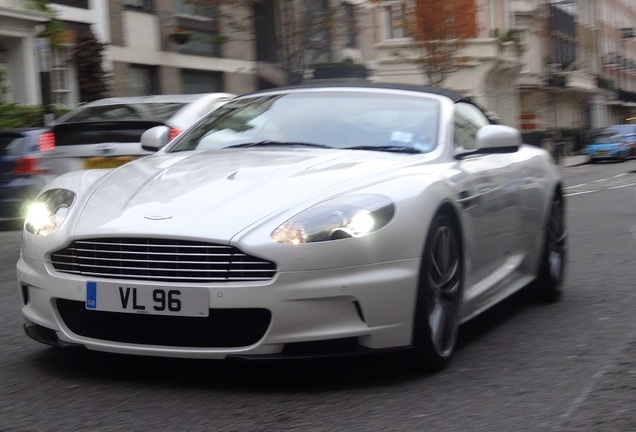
x,y
569,366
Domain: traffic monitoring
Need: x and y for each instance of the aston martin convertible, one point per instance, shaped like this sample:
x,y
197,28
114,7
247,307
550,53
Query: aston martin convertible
x,y
319,220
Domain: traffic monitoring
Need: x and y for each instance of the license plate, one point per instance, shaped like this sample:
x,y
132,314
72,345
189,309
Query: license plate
x,y
601,152
127,298
106,162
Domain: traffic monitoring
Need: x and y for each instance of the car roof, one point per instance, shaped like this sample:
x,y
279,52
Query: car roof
x,y
24,131
179,98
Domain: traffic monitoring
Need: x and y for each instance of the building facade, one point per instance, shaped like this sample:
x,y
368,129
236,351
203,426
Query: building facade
x,y
552,68
487,64
19,66
548,67
143,53
168,46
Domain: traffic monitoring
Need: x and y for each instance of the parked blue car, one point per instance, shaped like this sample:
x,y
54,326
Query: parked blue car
x,y
627,133
608,147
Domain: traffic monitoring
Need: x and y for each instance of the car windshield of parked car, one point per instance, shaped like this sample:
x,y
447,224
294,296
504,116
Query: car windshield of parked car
x,y
10,144
343,119
607,140
130,111
625,129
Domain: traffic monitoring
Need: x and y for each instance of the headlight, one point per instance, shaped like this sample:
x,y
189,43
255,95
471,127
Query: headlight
x,y
48,212
342,217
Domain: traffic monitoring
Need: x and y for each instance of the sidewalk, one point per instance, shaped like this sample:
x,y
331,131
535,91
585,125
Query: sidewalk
x,y
574,160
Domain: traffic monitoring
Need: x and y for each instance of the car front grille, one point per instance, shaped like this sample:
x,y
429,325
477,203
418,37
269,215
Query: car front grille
x,y
165,260
223,328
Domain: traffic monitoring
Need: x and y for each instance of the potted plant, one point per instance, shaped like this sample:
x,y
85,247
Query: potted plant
x,y
181,36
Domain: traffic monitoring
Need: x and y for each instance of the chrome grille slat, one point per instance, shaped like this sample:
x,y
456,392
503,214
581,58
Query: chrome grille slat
x,y
157,253
164,269
160,260
256,263
166,279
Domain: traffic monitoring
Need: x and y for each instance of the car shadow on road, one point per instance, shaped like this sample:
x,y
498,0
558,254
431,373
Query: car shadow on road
x,y
298,375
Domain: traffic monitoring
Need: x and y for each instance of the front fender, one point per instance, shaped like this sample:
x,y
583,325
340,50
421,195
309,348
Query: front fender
x,y
77,181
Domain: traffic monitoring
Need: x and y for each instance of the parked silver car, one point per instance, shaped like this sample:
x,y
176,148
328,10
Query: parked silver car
x,y
106,133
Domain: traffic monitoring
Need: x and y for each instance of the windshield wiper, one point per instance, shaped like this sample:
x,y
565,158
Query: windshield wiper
x,y
392,149
277,143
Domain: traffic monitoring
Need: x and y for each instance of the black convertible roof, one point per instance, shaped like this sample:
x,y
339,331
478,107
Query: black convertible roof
x,y
455,96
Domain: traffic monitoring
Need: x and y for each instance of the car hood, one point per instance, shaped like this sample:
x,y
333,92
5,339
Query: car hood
x,y
604,146
216,195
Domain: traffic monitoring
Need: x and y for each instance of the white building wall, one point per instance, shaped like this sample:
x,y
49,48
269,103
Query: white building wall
x,y
19,28
96,16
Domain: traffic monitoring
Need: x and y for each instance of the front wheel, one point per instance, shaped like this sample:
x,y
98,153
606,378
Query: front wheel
x,y
548,284
436,321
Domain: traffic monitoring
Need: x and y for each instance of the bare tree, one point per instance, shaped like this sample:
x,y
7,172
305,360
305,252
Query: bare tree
x,y
302,33
437,31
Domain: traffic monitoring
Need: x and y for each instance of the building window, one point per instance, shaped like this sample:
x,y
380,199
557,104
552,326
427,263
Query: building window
x,y
81,4
396,16
395,20
142,5
143,80
204,36
350,33
200,19
319,46
61,80
197,9
5,73
196,81
202,43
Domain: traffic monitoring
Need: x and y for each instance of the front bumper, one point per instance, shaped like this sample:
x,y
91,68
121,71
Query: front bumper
x,y
346,310
607,154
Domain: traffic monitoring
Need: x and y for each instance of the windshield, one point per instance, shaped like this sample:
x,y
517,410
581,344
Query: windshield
x,y
332,119
607,140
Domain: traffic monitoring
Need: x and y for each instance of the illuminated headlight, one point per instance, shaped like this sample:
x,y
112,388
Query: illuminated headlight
x,y
339,218
49,211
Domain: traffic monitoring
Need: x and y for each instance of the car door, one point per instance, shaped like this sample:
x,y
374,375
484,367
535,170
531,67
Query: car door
x,y
489,196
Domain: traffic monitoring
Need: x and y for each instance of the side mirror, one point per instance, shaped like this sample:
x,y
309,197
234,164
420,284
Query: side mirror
x,y
155,138
494,139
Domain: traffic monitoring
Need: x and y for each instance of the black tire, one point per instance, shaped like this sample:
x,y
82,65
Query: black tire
x,y
436,321
548,285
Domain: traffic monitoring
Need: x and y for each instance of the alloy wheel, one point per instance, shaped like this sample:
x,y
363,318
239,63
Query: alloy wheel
x,y
444,281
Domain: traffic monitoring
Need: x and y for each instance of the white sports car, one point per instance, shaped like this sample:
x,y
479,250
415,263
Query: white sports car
x,y
306,221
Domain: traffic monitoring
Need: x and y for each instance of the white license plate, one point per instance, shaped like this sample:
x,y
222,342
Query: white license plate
x,y
130,298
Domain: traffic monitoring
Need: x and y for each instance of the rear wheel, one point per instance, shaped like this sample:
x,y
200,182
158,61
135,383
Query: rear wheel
x,y
552,271
436,321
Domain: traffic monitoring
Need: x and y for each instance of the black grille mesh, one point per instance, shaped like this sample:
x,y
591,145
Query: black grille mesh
x,y
166,260
223,328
